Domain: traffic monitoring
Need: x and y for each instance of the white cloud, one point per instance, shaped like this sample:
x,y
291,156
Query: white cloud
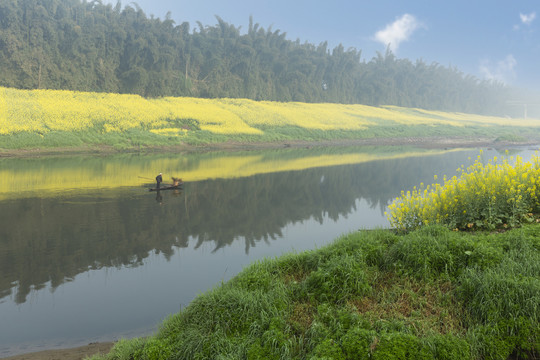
x,y
398,31
502,71
527,19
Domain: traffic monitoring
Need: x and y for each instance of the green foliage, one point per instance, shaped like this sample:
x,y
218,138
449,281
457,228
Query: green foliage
x,y
328,349
510,138
276,339
502,301
509,290
259,276
436,251
448,347
426,253
336,319
400,346
374,246
130,139
155,349
195,343
359,343
257,352
234,310
338,279
125,350
489,344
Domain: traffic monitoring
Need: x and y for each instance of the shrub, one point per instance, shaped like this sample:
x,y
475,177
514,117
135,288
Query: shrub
x,y
399,346
273,343
328,349
448,347
155,349
125,350
358,343
259,352
489,344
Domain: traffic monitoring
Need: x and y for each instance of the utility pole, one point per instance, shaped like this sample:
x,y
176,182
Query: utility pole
x,y
525,106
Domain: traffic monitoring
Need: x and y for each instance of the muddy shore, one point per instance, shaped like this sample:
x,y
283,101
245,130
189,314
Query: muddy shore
x,y
423,142
77,353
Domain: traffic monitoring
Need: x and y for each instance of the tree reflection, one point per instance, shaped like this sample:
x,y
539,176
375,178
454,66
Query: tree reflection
x,y
51,240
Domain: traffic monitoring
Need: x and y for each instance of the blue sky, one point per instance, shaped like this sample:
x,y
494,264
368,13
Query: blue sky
x,y
492,39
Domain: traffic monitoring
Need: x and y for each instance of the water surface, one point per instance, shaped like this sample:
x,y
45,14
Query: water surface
x,y
88,254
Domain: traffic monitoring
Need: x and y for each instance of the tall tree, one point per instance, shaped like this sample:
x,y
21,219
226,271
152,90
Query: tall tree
x,y
91,46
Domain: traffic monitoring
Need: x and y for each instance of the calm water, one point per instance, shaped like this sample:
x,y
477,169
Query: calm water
x,y
108,259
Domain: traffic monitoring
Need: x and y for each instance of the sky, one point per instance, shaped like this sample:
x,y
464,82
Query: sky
x,y
489,39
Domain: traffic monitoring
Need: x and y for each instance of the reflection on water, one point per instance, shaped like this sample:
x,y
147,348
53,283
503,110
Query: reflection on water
x,y
79,265
51,176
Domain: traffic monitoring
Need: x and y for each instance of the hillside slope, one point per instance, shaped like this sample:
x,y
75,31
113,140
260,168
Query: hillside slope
x,y
56,119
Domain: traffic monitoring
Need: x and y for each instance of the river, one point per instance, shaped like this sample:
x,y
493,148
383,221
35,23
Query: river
x,y
88,254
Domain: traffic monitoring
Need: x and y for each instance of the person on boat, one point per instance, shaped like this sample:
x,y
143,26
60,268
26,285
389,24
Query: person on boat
x,y
159,179
176,182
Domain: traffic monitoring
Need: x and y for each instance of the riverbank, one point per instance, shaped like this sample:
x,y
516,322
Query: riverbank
x,y
55,122
420,142
77,353
430,294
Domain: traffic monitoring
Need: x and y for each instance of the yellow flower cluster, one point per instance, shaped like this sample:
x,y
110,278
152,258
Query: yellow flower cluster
x,y
496,194
210,115
3,110
309,116
460,119
41,111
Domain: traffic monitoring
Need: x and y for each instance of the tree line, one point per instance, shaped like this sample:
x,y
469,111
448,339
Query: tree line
x,y
90,46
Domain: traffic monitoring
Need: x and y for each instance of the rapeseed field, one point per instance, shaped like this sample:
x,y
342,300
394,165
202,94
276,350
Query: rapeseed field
x,y
54,118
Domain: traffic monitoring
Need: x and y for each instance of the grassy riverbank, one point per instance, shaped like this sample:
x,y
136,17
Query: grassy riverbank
x,y
429,294
64,120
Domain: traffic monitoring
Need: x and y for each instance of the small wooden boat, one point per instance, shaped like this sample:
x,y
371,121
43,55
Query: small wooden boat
x,y
177,184
168,187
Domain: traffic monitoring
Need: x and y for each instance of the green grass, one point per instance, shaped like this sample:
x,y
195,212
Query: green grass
x,y
137,138
429,294
510,138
